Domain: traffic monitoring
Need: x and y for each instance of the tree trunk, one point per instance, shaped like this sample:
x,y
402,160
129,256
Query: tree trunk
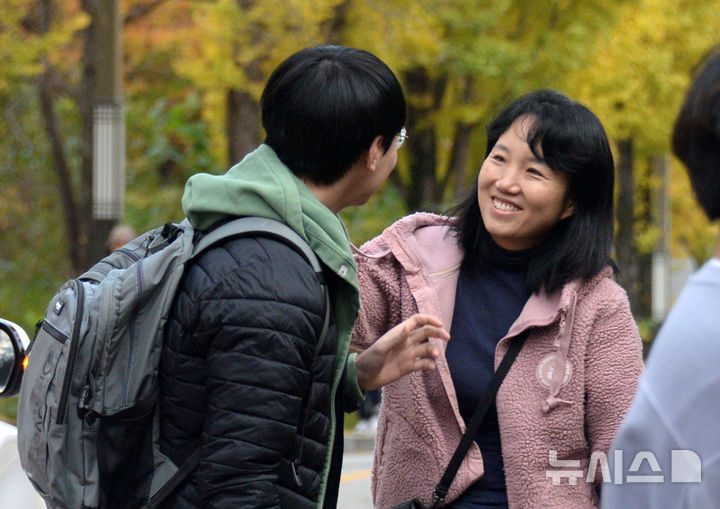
x,y
88,83
334,27
422,191
242,126
644,260
70,212
625,247
422,171
458,161
460,153
73,216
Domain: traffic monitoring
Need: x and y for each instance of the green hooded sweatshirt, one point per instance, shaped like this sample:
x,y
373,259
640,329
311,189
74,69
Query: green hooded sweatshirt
x,y
261,185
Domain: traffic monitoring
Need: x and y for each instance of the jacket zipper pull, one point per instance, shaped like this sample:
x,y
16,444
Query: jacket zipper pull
x,y
294,466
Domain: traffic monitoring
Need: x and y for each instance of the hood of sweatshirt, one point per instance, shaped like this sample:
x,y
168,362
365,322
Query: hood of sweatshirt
x,y
261,185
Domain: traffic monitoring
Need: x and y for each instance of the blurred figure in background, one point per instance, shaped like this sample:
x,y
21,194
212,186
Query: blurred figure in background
x,y
120,235
368,411
676,416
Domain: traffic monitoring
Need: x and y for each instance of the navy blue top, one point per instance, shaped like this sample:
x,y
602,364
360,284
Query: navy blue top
x,y
486,305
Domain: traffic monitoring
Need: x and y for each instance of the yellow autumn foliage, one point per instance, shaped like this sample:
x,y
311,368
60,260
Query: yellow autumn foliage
x,y
635,81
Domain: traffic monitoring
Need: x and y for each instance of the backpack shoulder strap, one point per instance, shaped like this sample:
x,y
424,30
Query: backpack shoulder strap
x,y
247,226
250,225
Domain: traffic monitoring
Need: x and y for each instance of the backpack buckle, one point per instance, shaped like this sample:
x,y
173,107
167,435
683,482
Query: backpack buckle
x,y
170,231
84,401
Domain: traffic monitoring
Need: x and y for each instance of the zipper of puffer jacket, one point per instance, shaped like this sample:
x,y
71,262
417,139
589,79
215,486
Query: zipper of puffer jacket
x,y
333,421
72,355
131,331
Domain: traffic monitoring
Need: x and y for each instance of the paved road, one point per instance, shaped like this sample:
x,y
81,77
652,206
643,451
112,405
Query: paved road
x,y
355,481
16,492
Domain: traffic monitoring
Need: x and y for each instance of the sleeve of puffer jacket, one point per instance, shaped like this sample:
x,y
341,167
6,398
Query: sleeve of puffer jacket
x,y
380,283
613,365
260,322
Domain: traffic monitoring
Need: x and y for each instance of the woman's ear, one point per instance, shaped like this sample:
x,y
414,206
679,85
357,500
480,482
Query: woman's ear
x,y
569,209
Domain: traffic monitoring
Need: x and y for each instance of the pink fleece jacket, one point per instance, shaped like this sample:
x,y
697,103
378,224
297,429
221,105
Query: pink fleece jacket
x,y
564,397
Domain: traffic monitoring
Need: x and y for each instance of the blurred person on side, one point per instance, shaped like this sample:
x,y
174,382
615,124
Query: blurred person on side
x,y
674,422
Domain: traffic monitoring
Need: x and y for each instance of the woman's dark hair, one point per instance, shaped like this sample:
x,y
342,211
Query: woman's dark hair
x,y
571,140
323,107
696,135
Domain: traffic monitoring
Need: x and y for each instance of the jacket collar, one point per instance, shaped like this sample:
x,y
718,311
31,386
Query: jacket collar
x,y
423,242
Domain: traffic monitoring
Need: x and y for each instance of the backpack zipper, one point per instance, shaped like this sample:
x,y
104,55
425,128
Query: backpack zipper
x,y
53,332
131,331
72,355
130,254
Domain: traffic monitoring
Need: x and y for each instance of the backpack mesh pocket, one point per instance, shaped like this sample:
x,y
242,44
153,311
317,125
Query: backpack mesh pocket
x,y
125,456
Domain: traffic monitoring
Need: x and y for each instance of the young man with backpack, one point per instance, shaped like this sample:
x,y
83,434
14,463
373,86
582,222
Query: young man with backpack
x,y
205,363
240,376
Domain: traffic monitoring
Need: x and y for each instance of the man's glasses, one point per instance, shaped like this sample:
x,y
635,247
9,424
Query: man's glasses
x,y
401,137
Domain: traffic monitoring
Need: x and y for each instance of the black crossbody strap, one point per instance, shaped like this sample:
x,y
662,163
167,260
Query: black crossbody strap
x,y
478,416
183,472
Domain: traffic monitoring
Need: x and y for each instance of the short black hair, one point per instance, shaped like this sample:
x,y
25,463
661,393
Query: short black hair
x,y
323,107
696,135
571,140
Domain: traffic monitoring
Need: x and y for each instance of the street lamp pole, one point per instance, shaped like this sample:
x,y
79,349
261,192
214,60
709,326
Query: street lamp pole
x,y
108,205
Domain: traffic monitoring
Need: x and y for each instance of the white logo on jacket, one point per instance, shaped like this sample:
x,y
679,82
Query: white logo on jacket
x,y
545,370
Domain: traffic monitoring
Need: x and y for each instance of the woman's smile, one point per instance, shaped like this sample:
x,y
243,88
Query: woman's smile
x,y
504,206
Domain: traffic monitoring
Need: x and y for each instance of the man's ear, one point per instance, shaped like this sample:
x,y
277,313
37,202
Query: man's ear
x,y
374,153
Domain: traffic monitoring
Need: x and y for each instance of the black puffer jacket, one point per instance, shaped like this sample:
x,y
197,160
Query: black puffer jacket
x,y
237,360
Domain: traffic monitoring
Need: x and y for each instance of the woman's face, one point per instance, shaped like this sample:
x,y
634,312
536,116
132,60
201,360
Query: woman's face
x,y
520,197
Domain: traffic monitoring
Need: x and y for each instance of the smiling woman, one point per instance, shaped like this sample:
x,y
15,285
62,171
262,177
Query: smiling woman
x,y
555,162
520,197
525,255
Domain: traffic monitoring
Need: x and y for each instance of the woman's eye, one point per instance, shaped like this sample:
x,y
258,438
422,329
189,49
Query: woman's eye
x,y
535,172
499,158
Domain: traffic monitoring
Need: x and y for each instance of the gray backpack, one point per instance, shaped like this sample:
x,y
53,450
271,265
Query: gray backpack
x,y
87,415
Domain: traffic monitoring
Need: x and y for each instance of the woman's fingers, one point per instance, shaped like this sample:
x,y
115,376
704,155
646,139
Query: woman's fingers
x,y
423,364
421,323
